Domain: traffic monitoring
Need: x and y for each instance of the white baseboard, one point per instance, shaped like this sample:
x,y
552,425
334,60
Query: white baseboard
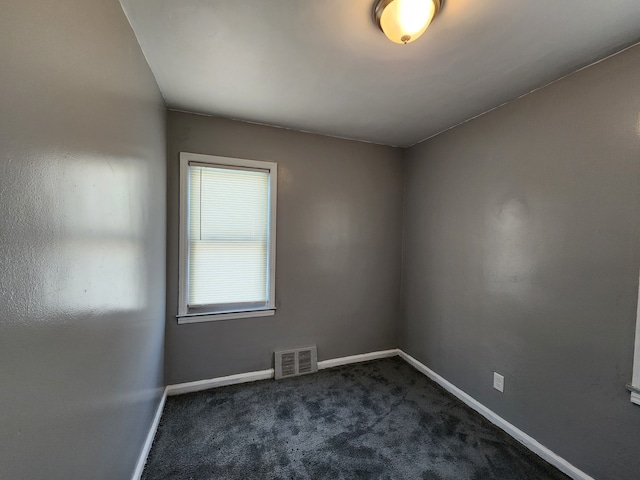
x,y
363,357
146,448
529,442
199,385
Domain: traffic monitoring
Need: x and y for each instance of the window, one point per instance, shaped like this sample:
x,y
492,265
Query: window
x,y
227,238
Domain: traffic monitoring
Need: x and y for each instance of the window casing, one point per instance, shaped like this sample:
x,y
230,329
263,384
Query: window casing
x,y
634,386
227,238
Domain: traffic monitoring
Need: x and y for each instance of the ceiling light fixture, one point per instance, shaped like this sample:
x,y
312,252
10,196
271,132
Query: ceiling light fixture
x,y
403,21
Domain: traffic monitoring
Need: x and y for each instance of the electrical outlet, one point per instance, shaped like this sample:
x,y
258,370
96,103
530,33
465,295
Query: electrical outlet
x,y
498,382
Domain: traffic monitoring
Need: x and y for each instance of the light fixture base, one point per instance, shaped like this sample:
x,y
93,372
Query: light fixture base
x,y
379,7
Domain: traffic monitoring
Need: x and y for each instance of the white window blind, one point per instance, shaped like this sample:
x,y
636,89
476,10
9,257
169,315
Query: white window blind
x,y
227,241
228,234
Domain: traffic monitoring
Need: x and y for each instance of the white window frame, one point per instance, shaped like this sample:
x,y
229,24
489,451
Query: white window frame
x,y
184,316
634,386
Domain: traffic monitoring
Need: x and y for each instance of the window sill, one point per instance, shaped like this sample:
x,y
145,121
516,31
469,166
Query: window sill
x,y
216,317
635,393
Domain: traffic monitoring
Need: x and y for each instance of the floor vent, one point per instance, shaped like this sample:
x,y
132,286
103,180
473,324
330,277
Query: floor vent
x,y
296,361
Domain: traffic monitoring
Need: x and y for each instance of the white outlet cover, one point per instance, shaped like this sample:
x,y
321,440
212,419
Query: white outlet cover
x,y
498,382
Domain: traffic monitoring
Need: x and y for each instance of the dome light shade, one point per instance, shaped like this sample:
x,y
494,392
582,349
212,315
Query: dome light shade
x,y
403,21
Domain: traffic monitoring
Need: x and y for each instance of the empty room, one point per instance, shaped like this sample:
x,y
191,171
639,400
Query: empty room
x,y
319,239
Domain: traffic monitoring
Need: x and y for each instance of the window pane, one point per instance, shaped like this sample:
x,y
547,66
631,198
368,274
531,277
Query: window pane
x,y
228,244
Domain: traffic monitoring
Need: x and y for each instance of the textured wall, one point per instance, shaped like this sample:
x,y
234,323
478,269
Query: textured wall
x,y
338,249
82,248
521,256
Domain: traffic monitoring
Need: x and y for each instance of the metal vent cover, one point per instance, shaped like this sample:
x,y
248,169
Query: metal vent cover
x,y
296,361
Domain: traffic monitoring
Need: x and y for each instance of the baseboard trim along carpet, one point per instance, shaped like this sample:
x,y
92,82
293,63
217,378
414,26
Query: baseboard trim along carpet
x,y
364,357
529,442
189,387
146,448
199,385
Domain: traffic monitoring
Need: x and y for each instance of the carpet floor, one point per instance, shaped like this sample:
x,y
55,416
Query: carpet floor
x,y
375,420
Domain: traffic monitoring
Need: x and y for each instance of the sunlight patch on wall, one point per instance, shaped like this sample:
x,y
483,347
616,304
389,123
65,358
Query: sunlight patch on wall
x,y
330,234
509,260
97,255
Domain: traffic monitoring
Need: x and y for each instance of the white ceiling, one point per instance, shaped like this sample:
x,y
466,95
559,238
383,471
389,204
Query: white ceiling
x,y
323,66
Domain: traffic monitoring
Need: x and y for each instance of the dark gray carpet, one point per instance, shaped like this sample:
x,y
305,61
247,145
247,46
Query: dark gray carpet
x,y
375,420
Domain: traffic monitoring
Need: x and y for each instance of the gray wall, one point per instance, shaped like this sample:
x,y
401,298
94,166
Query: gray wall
x,y
82,248
338,249
521,256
